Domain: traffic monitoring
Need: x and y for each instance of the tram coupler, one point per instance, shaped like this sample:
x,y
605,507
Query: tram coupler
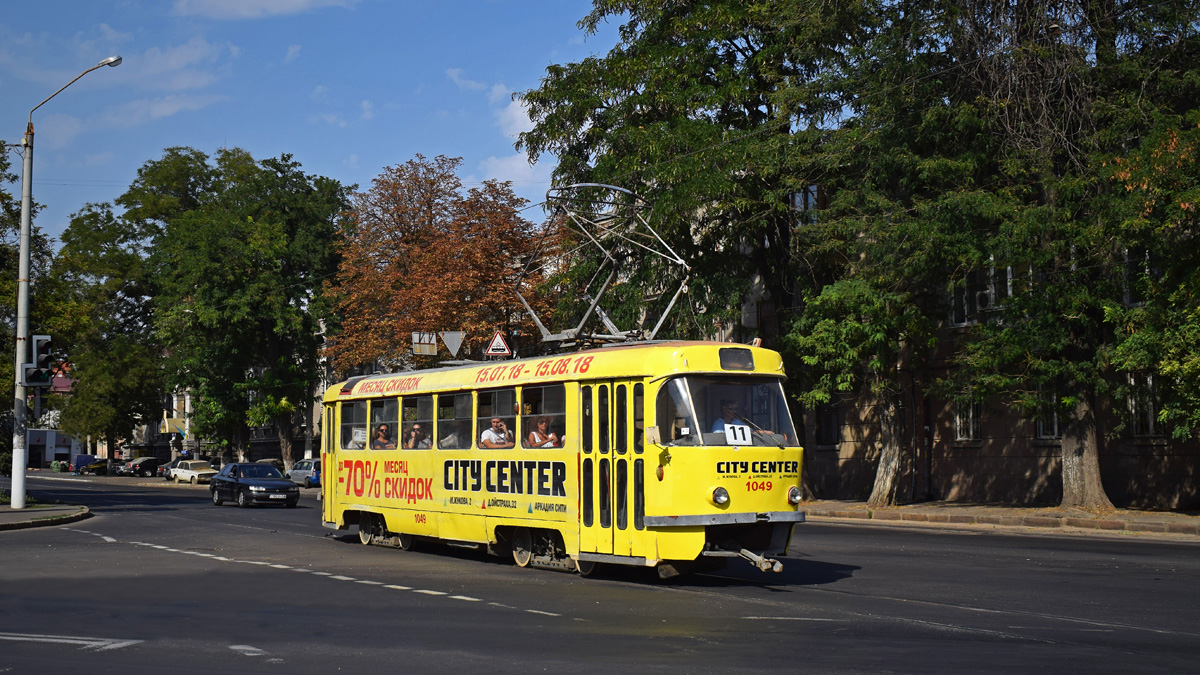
x,y
761,562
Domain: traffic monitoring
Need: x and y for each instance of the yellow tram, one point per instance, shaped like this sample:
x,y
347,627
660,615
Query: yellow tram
x,y
651,454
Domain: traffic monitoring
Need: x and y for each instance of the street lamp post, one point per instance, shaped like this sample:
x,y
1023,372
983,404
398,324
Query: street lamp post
x,y
22,349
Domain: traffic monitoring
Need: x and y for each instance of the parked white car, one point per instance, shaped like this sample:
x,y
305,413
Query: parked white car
x,y
193,471
305,472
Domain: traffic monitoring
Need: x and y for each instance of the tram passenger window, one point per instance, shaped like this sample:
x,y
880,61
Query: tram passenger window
x,y
620,423
497,418
454,421
543,416
383,423
354,425
417,422
639,418
585,410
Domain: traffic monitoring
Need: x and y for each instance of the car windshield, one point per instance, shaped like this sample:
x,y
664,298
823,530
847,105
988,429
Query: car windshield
x,y
700,410
258,471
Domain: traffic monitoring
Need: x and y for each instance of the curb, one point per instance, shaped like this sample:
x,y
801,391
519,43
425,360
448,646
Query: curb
x,y
48,521
1103,524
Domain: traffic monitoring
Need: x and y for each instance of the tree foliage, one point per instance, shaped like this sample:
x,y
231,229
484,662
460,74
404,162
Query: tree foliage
x,y
1025,168
423,255
242,249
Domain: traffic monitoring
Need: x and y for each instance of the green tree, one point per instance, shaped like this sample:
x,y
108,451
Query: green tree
x,y
243,251
103,326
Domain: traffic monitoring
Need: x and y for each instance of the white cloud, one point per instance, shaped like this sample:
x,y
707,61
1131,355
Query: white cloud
x,y
293,53
174,68
455,75
320,93
253,9
530,182
100,159
141,111
57,130
351,161
330,118
513,119
368,110
498,93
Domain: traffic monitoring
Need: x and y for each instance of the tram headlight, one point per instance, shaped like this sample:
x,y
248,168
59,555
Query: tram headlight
x,y
720,496
794,495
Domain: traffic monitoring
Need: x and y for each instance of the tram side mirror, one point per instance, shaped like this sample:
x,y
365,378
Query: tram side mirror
x,y
653,435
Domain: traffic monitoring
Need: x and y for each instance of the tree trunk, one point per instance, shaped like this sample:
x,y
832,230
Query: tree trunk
x,y
285,424
887,477
1082,487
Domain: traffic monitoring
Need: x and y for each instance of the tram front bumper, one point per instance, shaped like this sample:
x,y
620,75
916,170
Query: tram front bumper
x,y
750,536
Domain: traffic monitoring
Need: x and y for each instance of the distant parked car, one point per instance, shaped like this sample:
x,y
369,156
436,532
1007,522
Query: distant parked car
x,y
253,483
164,470
306,472
81,462
142,466
98,467
193,471
277,463
116,467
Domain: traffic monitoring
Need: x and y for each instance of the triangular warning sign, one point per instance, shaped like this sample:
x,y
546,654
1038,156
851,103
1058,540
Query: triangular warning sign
x,y
498,347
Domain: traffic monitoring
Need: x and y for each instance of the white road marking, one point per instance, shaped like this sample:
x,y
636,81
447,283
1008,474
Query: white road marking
x,y
253,651
109,540
92,643
247,650
788,618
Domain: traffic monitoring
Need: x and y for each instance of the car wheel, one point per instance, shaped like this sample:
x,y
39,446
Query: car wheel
x,y
307,482
243,499
195,480
217,501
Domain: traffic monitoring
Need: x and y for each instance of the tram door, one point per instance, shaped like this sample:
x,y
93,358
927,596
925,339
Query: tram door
x,y
610,490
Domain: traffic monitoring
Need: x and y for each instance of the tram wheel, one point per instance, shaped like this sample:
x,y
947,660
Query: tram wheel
x,y
585,568
366,528
522,546
406,541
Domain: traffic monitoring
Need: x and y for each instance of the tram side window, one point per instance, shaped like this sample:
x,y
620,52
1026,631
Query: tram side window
x,y
383,423
354,425
454,421
543,421
417,422
497,418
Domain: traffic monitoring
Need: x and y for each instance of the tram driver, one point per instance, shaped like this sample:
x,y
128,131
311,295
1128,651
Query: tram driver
x,y
496,436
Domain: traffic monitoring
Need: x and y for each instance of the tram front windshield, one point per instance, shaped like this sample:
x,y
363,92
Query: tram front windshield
x,y
696,410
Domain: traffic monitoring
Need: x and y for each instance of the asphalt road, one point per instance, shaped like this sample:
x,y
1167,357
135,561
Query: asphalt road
x,y
160,580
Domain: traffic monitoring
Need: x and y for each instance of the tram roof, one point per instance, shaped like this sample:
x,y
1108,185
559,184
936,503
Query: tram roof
x,y
624,361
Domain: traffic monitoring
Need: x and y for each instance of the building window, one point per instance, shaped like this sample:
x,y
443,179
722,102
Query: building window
x,y
1047,421
1143,406
967,417
806,203
986,290
828,431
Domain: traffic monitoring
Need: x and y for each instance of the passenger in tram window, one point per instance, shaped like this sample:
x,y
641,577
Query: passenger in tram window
x,y
416,438
382,439
542,436
497,436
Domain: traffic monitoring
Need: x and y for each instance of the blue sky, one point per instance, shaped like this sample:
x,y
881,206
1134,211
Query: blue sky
x,y
346,86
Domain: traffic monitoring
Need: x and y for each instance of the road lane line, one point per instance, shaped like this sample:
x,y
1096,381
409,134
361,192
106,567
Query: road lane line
x,y
90,643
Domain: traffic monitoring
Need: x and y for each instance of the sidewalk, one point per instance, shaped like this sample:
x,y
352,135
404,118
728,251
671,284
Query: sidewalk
x,y
40,515
1126,521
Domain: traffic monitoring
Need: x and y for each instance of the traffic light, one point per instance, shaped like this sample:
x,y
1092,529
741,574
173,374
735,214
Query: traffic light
x,y
40,372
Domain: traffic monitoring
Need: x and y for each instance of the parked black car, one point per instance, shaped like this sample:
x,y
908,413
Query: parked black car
x,y
253,483
143,466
